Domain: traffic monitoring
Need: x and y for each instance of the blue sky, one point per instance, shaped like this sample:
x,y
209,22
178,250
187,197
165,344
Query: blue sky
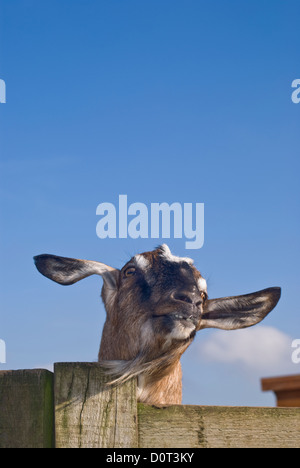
x,y
165,101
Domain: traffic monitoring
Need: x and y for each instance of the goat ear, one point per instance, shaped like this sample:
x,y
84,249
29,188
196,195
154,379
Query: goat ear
x,y
232,313
67,271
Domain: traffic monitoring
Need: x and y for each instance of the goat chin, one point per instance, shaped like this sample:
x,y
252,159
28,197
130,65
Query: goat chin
x,y
154,369
119,372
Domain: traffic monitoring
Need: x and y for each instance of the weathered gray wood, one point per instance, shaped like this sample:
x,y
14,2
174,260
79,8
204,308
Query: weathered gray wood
x,y
26,409
90,415
212,426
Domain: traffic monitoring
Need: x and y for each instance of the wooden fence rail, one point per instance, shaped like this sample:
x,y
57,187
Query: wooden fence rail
x,y
73,408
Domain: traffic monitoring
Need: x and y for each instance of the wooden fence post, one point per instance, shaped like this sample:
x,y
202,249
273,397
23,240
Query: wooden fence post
x,y
90,415
26,409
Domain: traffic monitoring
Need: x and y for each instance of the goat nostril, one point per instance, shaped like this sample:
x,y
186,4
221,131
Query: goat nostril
x,y
188,298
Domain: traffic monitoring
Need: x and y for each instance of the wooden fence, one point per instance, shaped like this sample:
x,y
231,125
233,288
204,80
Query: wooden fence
x,y
73,408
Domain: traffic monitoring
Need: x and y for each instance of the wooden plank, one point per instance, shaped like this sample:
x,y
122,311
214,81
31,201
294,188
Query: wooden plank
x,y
88,414
218,427
286,389
26,409
290,382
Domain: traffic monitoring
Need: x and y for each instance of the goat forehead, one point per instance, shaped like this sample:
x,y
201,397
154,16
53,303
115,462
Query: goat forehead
x,y
159,263
162,263
161,255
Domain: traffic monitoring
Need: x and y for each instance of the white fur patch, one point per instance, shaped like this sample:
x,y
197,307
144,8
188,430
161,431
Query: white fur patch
x,y
141,262
167,254
181,332
202,285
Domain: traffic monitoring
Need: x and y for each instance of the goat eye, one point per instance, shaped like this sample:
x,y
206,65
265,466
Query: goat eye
x,y
129,271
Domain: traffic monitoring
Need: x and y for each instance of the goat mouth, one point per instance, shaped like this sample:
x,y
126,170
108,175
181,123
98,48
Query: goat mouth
x,y
184,319
183,327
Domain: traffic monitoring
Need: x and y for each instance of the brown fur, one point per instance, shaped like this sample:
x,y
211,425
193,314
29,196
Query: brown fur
x,y
148,353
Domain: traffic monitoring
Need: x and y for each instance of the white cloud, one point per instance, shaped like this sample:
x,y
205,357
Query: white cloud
x,y
259,350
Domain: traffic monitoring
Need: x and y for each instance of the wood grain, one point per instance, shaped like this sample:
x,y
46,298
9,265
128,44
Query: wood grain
x,y
218,427
90,415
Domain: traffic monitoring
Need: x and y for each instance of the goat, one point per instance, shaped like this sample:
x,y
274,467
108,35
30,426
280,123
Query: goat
x,y
155,305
